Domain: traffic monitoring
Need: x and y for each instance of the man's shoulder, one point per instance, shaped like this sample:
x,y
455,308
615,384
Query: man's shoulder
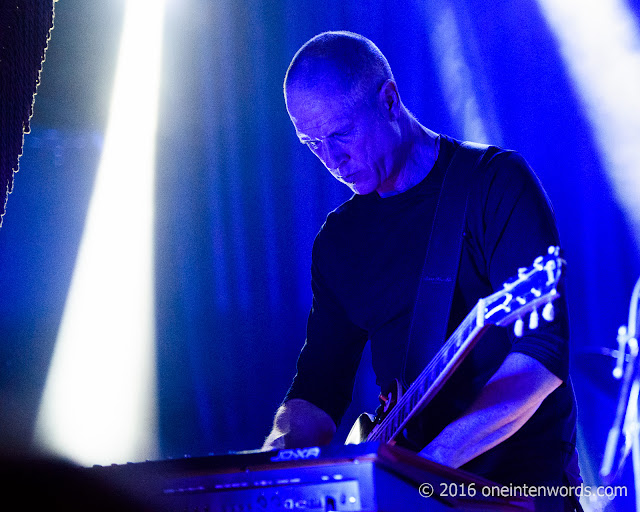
x,y
343,227
499,168
507,171
344,216
495,157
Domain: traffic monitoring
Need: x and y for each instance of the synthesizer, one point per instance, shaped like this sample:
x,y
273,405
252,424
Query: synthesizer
x,y
366,477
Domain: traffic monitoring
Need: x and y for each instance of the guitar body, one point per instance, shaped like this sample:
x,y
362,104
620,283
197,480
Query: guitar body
x,y
361,429
366,422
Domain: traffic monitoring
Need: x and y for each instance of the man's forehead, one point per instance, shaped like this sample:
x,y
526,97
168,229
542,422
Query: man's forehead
x,y
317,110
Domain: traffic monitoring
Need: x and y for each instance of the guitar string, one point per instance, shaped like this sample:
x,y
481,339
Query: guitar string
x,y
468,324
465,328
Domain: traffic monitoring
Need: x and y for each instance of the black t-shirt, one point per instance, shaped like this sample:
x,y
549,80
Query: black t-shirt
x,y
366,264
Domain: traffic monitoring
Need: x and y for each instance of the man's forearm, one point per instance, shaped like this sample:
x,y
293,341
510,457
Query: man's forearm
x,y
299,423
507,401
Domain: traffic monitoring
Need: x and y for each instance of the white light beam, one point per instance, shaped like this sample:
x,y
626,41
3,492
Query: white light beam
x,y
99,403
600,45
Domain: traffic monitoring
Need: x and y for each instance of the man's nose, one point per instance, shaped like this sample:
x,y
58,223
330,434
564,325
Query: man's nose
x,y
333,156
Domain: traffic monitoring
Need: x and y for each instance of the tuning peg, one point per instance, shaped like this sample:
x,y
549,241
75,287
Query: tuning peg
x,y
534,319
548,313
623,338
518,328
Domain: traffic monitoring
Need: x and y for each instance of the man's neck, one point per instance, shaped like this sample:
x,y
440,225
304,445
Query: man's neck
x,y
414,157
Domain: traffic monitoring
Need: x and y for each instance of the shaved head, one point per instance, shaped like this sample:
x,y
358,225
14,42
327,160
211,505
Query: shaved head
x,y
344,104
343,62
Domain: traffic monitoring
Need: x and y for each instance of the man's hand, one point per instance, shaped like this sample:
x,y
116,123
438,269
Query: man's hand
x,y
298,424
506,402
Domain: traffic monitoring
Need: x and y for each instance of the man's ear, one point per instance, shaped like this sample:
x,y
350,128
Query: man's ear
x,y
389,99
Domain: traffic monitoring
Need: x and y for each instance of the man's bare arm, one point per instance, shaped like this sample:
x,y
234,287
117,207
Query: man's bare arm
x,y
507,401
299,423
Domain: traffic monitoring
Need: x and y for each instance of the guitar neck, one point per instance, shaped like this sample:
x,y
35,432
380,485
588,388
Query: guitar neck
x,y
433,377
534,287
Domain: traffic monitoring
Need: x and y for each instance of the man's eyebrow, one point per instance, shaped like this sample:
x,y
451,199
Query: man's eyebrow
x,y
341,129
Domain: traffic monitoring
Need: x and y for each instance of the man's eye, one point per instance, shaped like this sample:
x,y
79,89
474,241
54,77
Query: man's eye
x,y
312,144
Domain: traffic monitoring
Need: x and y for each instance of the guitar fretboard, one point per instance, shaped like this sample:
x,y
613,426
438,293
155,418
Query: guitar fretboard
x,y
432,378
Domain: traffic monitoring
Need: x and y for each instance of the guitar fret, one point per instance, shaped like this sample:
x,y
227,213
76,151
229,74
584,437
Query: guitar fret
x,y
423,383
426,380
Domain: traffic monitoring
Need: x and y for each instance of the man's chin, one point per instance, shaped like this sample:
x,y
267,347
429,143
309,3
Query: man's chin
x,y
360,189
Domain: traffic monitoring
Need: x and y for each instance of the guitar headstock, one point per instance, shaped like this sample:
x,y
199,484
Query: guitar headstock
x,y
533,288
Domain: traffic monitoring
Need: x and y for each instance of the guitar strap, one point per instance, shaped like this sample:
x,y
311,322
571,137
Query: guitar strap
x,y
437,282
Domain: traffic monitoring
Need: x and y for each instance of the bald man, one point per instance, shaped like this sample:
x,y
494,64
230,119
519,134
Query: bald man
x,y
508,413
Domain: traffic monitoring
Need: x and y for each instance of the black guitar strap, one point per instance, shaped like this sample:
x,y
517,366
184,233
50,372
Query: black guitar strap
x,y
437,282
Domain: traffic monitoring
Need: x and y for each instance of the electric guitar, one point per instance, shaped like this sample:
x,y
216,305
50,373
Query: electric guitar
x,y
532,289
